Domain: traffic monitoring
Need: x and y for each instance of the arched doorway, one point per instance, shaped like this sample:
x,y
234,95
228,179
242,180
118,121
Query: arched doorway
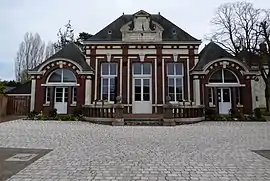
x,y
62,79
224,87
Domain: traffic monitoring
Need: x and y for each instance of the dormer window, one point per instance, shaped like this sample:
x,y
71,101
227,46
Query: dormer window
x,y
110,32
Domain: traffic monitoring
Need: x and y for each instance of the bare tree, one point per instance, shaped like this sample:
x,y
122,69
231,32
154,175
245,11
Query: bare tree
x,y
64,37
236,27
240,27
29,55
49,51
264,51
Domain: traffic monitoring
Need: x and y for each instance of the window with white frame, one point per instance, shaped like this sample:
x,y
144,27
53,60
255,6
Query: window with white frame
x,y
62,76
238,96
223,76
47,95
175,75
74,95
108,81
211,95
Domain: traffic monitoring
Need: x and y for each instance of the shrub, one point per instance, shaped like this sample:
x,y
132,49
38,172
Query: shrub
x,y
68,118
266,113
41,116
32,114
258,113
53,113
210,114
77,112
236,114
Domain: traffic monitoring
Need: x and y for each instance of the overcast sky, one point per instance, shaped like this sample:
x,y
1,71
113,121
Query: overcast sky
x,y
45,17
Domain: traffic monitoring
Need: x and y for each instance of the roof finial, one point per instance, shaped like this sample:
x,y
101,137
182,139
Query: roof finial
x,y
158,13
123,13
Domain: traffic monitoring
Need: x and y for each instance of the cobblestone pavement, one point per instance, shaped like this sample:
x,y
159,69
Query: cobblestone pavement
x,y
83,151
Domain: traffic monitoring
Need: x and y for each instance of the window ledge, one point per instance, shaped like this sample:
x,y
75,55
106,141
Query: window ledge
x,y
73,104
100,103
239,105
46,105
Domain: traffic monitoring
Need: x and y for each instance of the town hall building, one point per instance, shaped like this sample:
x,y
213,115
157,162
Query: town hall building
x,y
145,59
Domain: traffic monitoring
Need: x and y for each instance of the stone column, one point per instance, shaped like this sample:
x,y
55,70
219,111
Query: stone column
x,y
168,119
233,97
119,112
197,90
88,90
33,94
215,99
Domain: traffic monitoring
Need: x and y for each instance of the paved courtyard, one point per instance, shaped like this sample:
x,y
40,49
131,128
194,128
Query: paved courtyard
x,y
84,151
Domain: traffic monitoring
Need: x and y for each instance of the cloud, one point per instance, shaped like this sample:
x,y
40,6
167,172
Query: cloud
x,y
45,17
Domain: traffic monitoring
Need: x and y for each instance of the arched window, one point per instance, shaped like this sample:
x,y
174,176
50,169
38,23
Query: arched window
x,y
62,76
223,76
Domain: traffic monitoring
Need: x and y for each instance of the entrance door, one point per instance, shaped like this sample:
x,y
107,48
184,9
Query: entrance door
x,y
224,100
61,100
142,103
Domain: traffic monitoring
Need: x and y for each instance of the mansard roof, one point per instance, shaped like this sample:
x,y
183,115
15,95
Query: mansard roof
x,y
171,31
211,52
71,52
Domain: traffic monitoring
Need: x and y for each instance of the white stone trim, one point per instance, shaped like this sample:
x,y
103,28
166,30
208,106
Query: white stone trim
x,y
121,76
128,82
253,93
96,79
226,60
134,43
156,88
11,95
117,47
196,60
189,120
163,80
33,94
59,59
196,91
88,92
188,79
175,51
60,84
225,85
102,47
142,51
88,60
111,51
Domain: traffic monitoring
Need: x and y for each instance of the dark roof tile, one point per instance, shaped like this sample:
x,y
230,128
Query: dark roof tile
x,y
211,52
21,89
72,52
116,35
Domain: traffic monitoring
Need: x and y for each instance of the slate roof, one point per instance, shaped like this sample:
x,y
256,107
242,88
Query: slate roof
x,y
211,52
8,88
167,35
250,58
21,89
72,52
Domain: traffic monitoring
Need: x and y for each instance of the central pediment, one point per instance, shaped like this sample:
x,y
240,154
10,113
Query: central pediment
x,y
141,29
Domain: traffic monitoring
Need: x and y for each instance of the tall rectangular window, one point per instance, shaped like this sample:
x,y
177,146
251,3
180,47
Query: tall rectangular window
x,y
175,75
47,95
238,96
108,81
74,95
